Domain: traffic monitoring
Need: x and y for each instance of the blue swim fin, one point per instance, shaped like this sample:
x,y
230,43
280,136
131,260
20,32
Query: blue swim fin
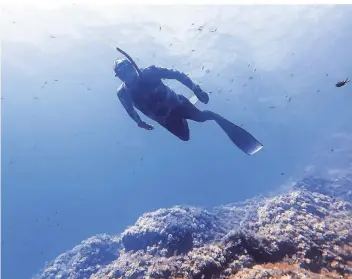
x,y
239,136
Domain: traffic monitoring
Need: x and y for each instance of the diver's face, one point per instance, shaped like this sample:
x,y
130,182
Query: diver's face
x,y
128,75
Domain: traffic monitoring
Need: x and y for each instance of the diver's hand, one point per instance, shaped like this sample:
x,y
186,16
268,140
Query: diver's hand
x,y
145,126
201,95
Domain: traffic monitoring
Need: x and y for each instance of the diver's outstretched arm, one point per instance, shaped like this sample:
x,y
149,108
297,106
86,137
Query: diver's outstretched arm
x,y
164,73
126,100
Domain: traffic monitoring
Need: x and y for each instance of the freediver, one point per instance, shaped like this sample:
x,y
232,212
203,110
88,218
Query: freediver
x,y
143,89
342,83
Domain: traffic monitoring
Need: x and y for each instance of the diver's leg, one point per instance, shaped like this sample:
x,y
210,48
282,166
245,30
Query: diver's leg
x,y
177,126
239,136
189,111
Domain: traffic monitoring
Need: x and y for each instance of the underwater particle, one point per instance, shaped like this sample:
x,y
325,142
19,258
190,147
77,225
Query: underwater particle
x,y
255,69
231,80
192,23
13,22
45,82
326,75
282,173
56,212
318,90
214,30
249,65
218,75
53,37
293,53
207,71
170,45
244,84
289,100
291,75
210,92
250,77
272,107
88,88
11,162
193,50
241,124
56,80
160,28
57,225
342,83
332,150
230,90
43,86
36,98
228,99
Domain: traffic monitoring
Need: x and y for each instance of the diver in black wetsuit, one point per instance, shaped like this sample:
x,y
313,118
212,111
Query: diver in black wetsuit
x,y
143,89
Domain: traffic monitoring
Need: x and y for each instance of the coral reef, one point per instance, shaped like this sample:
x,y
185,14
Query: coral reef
x,y
305,232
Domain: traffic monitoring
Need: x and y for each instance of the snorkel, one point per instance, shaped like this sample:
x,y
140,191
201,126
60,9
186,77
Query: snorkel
x,y
132,62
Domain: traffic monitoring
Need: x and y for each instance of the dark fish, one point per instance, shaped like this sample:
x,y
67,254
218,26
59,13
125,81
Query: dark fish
x,y
342,83
272,107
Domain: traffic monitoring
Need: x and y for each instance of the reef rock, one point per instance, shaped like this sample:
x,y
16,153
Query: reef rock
x,y
302,233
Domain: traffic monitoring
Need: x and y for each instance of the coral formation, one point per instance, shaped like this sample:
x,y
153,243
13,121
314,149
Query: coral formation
x,y
305,232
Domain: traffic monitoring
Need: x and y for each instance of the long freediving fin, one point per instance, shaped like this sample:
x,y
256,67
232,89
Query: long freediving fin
x,y
240,137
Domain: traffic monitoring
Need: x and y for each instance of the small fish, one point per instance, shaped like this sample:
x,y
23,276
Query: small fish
x,y
202,67
230,90
293,53
332,150
193,50
244,84
160,28
207,71
56,80
232,80
342,83
326,75
214,30
255,69
291,75
249,65
218,74
272,107
36,98
318,90
250,77
88,88
289,100
170,45
282,173
45,82
53,37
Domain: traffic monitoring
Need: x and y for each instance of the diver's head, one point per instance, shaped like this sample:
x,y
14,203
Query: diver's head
x,y
125,71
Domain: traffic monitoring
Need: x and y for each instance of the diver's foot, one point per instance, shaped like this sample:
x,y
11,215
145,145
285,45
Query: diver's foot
x,y
203,97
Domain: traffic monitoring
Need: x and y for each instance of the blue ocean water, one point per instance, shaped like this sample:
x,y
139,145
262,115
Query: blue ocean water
x,y
74,164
